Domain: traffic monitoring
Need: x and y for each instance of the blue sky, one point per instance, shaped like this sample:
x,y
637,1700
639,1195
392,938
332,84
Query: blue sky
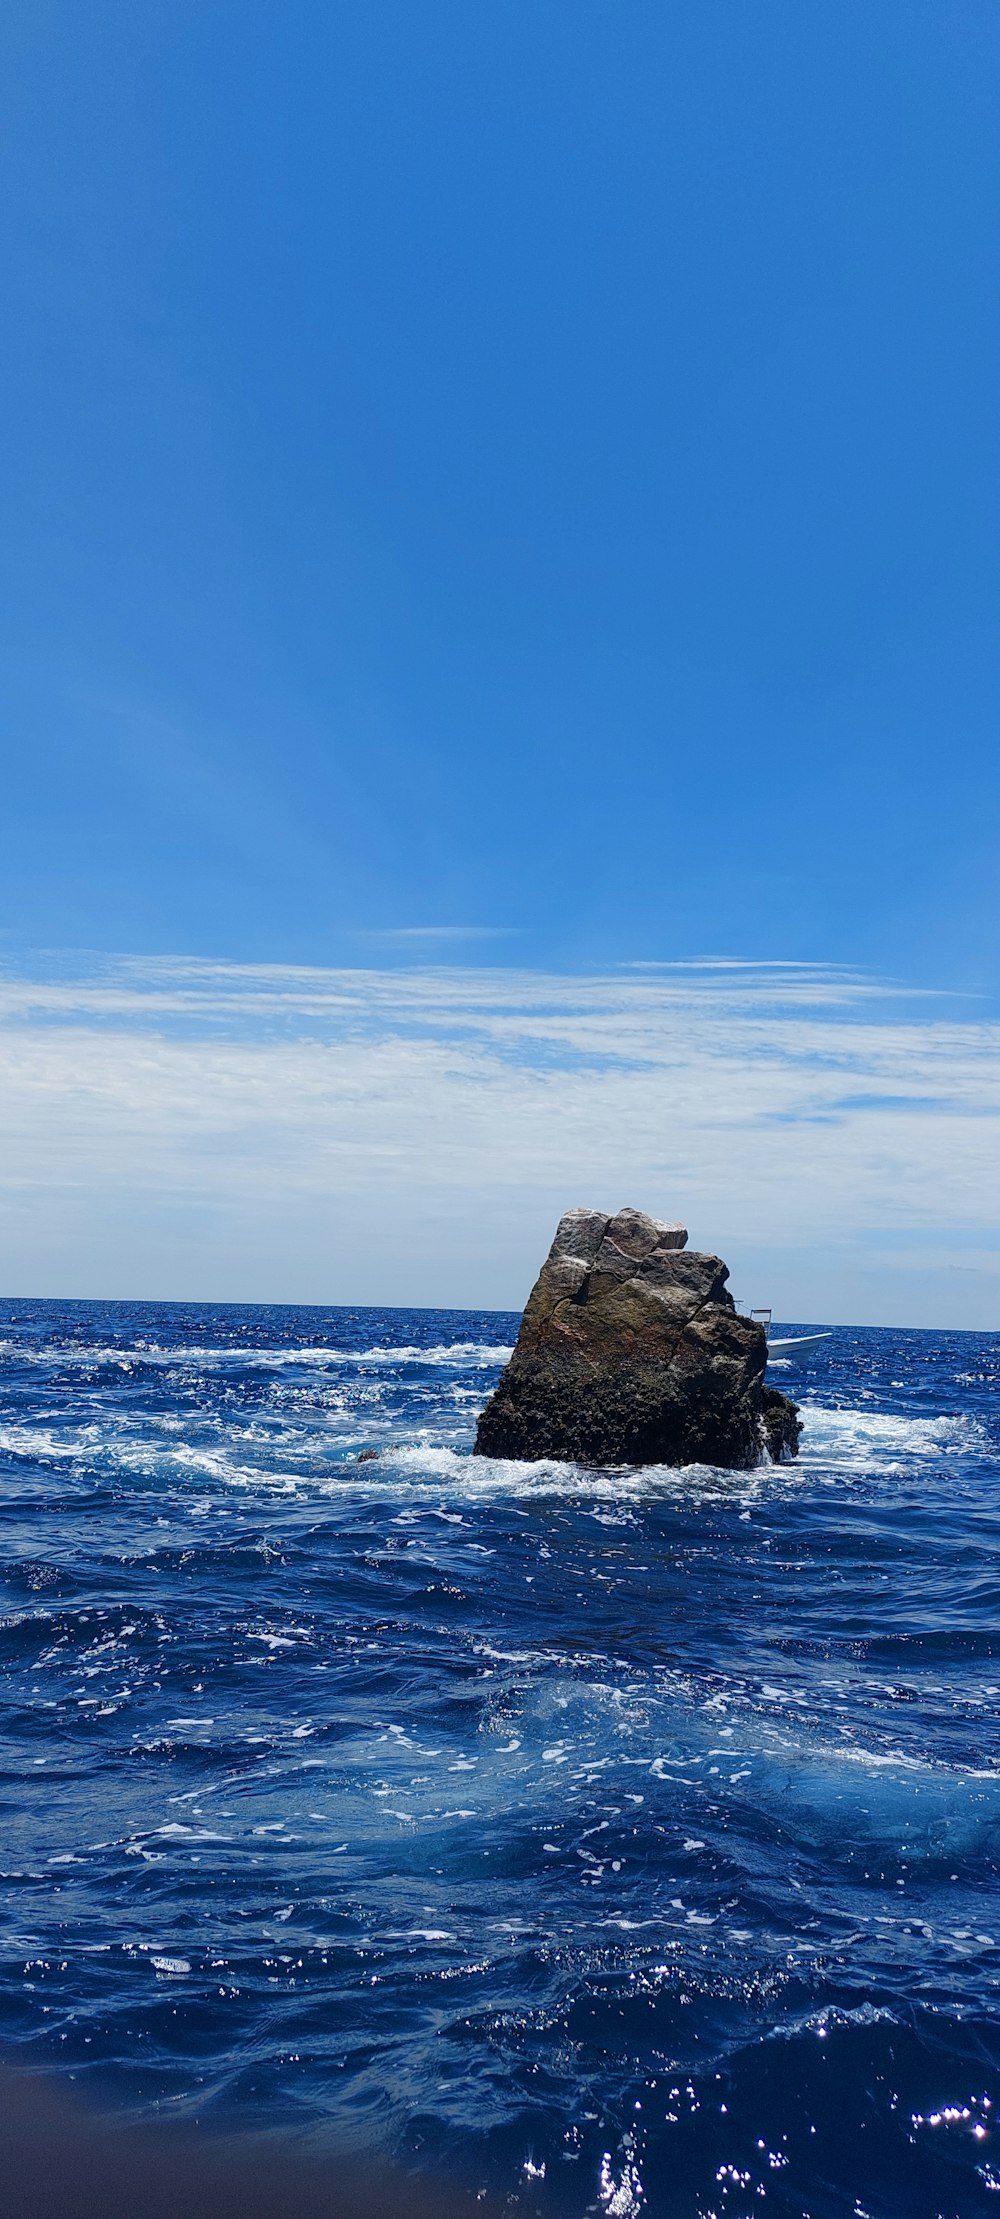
x,y
507,487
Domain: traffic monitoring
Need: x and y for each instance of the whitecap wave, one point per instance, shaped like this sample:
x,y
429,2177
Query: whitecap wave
x,y
880,1441
441,1354
482,1476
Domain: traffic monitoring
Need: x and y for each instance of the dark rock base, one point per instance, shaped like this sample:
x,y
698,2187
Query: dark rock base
x,y
631,1418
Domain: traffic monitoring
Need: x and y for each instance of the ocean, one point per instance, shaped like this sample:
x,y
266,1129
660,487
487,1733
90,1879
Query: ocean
x,y
602,1842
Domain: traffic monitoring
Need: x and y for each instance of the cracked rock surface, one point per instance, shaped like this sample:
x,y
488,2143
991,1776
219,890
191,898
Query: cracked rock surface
x,y
632,1352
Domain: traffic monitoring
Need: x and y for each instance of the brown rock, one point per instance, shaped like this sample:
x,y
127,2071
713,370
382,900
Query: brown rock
x,y
632,1352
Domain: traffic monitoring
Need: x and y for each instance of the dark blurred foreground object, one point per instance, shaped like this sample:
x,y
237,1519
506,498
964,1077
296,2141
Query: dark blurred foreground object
x,y
57,2161
631,1352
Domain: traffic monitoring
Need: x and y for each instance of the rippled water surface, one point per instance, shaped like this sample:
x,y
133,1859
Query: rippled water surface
x,y
615,1842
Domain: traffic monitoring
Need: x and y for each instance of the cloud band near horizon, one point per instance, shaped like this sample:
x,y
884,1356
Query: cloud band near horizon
x,y
197,1130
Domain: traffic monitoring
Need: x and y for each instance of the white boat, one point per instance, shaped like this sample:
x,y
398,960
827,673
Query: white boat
x,y
796,1346
787,1346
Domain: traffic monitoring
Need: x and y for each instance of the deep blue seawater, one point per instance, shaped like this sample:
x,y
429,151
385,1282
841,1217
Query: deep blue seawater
x,y
615,1842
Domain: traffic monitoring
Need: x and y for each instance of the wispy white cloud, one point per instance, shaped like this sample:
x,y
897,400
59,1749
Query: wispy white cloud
x,y
205,1128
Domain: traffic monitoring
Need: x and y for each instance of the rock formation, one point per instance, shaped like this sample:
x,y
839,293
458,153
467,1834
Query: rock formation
x,y
631,1352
